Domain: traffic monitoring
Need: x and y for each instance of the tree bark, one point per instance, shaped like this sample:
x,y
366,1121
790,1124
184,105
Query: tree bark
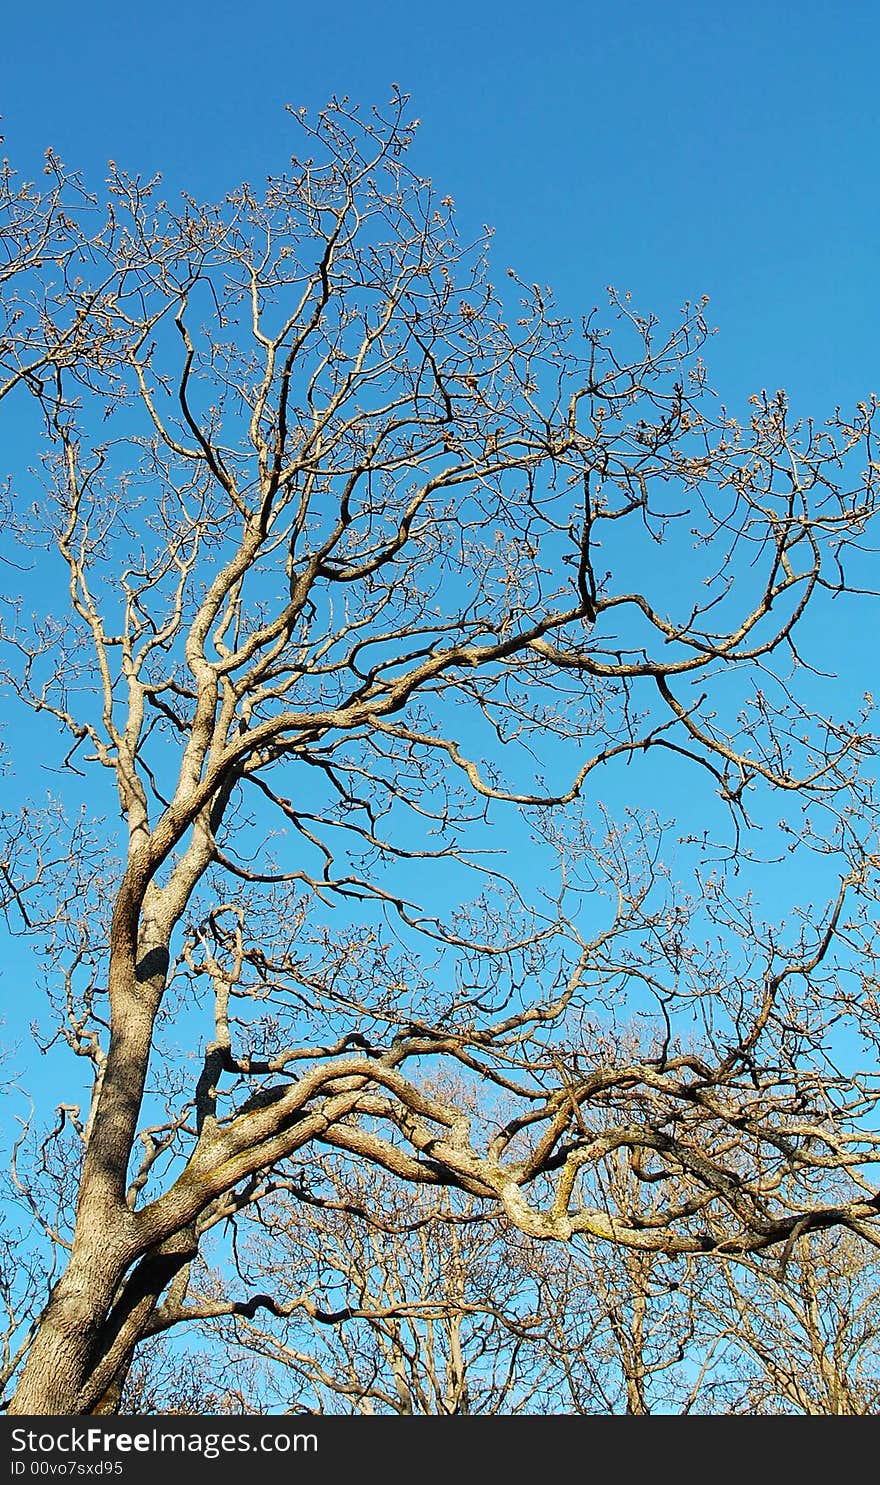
x,y
56,1374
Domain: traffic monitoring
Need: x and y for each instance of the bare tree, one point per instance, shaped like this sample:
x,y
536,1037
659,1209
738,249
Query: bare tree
x,y
385,1300
798,1332
623,1325
389,1301
367,1297
358,553
165,1379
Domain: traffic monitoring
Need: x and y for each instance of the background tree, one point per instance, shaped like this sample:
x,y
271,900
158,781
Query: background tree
x,y
387,1300
355,554
386,1304
371,1298
799,1332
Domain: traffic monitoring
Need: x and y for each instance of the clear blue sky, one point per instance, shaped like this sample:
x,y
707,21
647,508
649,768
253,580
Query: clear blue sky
x,y
673,149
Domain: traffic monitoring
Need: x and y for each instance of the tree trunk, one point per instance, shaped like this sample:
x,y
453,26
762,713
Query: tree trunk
x,y
55,1379
74,1328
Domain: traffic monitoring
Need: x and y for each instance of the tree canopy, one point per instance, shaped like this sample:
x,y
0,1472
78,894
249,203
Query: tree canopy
x,y
451,780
